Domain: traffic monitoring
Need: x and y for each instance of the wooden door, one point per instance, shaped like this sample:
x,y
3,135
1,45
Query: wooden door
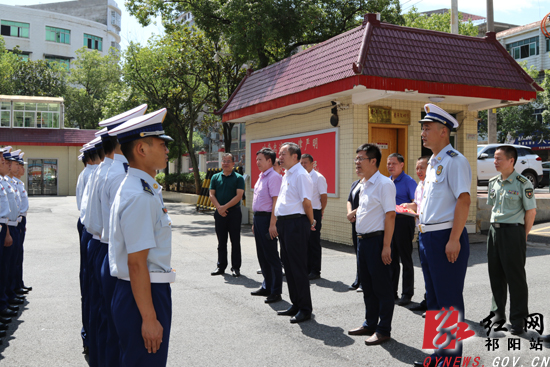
x,y
386,139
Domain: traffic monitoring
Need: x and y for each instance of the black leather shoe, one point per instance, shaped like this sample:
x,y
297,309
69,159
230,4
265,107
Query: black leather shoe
x,y
421,363
361,330
301,316
8,313
516,330
16,301
27,288
273,298
261,292
236,272
405,300
1,342
546,338
2,333
5,320
13,308
292,311
21,291
313,276
3,327
419,307
86,351
218,271
259,271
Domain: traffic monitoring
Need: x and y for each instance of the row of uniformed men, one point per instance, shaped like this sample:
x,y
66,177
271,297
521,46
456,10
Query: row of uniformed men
x,y
14,204
125,242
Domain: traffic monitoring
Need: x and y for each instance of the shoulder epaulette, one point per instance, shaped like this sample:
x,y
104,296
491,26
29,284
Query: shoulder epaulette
x,y
146,187
522,179
452,153
494,178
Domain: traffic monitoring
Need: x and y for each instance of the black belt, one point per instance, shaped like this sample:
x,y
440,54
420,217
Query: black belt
x,y
317,210
362,236
234,207
504,225
263,214
291,216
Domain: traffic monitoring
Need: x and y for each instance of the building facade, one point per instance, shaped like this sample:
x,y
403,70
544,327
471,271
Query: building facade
x,y
55,31
35,125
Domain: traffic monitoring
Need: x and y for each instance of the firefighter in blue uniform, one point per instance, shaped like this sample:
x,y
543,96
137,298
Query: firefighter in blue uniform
x,y
444,247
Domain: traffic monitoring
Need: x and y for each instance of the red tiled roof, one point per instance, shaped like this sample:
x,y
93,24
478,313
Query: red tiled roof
x,y
379,56
46,137
519,29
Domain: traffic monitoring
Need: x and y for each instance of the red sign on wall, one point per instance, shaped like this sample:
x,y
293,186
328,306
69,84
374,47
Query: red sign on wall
x,y
322,145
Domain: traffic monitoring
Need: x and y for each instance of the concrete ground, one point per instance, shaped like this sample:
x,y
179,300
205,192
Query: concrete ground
x,y
217,323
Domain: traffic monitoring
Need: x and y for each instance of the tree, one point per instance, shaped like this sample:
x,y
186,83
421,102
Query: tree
x,y
8,60
170,73
39,78
92,77
439,22
264,32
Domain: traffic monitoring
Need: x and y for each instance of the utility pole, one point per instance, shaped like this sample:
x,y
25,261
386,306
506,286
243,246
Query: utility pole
x,y
454,16
491,114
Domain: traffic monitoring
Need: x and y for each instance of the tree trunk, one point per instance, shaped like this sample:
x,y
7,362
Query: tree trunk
x,y
227,128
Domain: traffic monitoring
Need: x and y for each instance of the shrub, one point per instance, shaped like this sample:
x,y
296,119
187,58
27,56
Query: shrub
x,y
160,178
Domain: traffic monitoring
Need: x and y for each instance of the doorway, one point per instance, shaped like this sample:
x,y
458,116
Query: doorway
x,y
42,177
389,140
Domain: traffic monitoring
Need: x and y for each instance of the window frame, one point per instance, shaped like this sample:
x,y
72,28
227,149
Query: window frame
x,y
525,48
58,33
93,41
13,24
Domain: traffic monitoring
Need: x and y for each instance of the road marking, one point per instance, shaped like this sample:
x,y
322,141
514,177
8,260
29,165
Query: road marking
x,y
540,229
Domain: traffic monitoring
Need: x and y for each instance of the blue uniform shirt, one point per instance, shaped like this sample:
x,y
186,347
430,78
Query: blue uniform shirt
x,y
139,221
4,203
94,212
113,180
448,175
405,186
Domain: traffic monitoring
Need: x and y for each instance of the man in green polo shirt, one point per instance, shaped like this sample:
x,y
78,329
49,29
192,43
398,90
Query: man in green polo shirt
x,y
226,191
512,216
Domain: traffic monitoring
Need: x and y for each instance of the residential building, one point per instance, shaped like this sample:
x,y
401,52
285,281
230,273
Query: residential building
x,y
55,31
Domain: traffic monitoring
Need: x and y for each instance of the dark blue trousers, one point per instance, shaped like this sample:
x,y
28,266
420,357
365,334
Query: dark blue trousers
x,y
128,324
12,263
268,256
294,235
112,349
229,226
314,253
377,286
22,227
93,300
444,281
84,284
97,304
3,275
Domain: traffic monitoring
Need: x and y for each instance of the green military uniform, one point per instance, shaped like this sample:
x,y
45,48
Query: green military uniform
x,y
506,244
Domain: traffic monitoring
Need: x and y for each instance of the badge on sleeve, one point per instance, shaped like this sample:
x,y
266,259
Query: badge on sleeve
x,y
146,187
439,170
492,192
529,193
164,210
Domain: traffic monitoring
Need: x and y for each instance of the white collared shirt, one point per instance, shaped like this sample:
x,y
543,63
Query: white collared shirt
x,y
113,180
4,202
12,201
296,187
24,207
86,192
138,222
81,183
448,175
376,198
94,212
319,188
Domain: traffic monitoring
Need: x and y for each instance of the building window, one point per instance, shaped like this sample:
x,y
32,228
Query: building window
x,y
58,35
523,49
64,62
548,45
5,114
115,18
14,29
40,115
93,42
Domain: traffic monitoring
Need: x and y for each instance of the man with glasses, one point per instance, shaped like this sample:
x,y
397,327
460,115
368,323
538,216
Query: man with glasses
x,y
375,219
226,191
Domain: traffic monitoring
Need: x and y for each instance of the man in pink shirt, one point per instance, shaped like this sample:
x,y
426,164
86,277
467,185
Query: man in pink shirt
x,y
264,227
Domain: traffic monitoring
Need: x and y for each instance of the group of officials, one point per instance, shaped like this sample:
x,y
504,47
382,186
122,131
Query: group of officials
x,y
125,242
14,204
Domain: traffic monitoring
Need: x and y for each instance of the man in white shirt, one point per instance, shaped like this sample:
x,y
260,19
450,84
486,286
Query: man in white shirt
x,y
375,220
318,202
294,223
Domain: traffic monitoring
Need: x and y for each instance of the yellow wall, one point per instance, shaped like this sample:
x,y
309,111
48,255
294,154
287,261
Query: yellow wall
x,y
353,125
68,165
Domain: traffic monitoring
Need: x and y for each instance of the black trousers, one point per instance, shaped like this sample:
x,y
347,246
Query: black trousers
x,y
229,226
268,256
314,245
401,250
294,235
357,282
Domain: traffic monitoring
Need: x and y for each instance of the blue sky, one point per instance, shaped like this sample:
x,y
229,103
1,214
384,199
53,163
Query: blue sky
x,y
505,11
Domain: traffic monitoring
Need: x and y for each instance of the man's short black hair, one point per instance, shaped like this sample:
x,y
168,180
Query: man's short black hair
x,y
509,152
372,151
100,152
293,148
308,156
228,155
426,157
92,155
109,144
128,148
398,156
269,154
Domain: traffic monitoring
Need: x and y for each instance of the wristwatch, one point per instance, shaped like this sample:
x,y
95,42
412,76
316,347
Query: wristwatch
x,y
314,223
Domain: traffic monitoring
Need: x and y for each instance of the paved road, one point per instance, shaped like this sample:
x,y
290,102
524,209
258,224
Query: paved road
x,y
217,323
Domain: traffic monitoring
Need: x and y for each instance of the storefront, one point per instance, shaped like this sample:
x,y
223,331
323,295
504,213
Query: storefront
x,y
370,84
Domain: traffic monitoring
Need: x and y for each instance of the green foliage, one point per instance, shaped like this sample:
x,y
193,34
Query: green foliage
x,y
38,78
439,22
93,76
267,31
188,178
160,178
8,61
